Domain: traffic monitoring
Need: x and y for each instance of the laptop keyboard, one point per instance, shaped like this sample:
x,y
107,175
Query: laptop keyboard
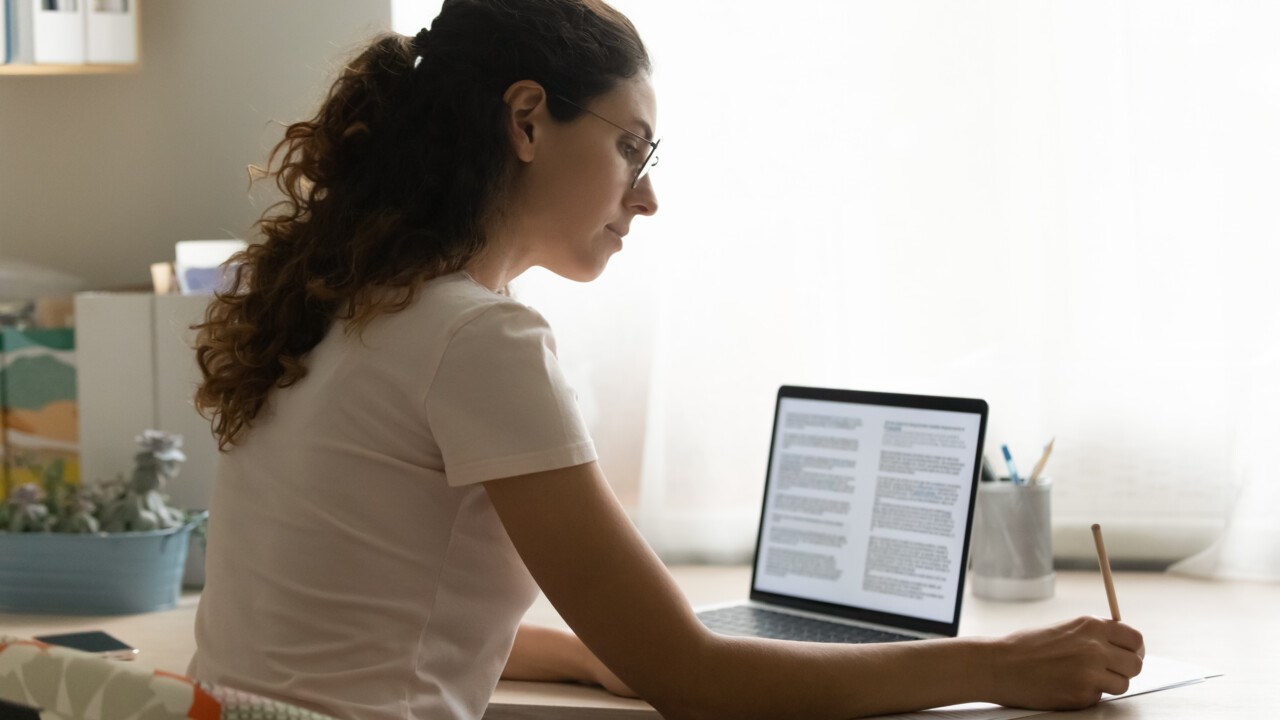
x,y
757,622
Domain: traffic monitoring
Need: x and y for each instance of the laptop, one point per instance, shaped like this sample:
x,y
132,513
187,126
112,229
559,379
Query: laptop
x,y
864,530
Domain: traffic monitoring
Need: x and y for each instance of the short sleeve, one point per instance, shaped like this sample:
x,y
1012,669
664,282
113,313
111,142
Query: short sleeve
x,y
499,404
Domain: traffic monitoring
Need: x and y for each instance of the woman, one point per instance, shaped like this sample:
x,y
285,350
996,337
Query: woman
x,y
403,458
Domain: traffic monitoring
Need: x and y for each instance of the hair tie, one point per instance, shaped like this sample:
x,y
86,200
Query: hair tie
x,y
419,46
420,42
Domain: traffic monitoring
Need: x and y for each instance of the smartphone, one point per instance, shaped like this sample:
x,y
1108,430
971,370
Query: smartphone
x,y
14,711
93,641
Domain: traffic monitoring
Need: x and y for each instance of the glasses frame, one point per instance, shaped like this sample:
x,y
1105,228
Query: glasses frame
x,y
650,160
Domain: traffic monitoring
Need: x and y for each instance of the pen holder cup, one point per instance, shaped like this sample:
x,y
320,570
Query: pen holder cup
x,y
1011,557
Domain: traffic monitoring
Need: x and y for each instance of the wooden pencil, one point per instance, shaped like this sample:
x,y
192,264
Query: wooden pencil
x,y
1105,564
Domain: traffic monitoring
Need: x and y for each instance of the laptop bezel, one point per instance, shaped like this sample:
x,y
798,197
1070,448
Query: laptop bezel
x,y
865,397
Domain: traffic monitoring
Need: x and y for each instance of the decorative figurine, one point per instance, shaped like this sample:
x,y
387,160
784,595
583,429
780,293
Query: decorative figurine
x,y
142,506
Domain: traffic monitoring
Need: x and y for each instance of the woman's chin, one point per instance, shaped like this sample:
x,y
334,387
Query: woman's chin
x,y
582,271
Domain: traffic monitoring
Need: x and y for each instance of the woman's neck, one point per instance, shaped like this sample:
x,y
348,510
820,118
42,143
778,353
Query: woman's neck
x,y
502,259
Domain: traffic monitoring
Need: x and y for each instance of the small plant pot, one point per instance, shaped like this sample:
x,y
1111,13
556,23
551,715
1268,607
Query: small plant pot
x,y
92,574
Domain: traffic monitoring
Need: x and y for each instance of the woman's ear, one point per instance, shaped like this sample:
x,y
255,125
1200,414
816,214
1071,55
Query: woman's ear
x,y
527,101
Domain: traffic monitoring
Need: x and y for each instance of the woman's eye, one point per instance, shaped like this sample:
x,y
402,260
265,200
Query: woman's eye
x,y
628,150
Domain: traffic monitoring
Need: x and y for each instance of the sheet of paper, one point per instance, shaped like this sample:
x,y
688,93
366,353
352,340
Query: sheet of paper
x,y
1157,674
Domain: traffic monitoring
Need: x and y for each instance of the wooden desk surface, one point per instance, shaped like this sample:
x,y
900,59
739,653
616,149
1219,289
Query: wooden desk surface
x,y
1227,627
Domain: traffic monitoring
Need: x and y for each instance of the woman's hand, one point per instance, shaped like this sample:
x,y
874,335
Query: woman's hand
x,y
1066,666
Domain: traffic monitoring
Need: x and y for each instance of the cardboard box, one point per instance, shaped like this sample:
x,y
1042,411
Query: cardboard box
x,y
38,404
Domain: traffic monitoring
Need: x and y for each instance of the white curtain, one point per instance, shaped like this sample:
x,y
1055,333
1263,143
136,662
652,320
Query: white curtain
x,y
1249,548
1066,208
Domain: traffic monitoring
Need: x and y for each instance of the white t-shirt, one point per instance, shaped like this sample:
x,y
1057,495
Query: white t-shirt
x,y
354,562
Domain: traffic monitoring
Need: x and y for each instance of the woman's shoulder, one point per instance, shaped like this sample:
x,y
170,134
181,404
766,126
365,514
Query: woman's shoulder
x,y
451,302
459,295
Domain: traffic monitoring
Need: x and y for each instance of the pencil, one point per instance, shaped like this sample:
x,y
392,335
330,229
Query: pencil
x,y
1039,468
1105,564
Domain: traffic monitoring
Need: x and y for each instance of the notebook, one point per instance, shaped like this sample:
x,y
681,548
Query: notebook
x,y
864,529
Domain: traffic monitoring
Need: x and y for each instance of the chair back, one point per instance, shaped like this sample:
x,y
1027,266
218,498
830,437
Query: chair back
x,y
57,683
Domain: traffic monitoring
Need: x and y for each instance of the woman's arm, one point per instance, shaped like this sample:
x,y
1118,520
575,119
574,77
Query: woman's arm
x,y
546,654
607,584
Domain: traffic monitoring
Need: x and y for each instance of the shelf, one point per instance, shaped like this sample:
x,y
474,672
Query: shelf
x,y
68,69
104,34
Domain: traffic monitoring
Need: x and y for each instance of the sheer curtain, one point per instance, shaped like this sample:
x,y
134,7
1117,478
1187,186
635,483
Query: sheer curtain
x,y
1067,209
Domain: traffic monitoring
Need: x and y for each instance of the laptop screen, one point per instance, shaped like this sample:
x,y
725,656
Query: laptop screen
x,y
868,504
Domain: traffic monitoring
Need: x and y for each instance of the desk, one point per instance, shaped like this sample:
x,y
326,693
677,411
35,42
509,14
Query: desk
x,y
1227,627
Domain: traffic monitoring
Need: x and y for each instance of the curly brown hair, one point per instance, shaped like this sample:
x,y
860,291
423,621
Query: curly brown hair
x,y
392,183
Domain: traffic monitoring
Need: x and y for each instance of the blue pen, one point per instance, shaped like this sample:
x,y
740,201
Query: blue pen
x,y
1013,469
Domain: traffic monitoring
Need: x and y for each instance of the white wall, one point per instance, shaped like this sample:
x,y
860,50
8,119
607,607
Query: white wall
x,y
101,174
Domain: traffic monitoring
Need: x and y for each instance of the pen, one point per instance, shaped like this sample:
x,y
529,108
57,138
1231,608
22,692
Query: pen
x,y
1039,468
1013,469
1105,564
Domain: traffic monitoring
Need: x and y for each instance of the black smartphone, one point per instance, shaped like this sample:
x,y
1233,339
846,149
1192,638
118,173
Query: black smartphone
x,y
94,641
14,711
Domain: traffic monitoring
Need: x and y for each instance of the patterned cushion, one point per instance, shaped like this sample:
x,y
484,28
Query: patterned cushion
x,y
66,684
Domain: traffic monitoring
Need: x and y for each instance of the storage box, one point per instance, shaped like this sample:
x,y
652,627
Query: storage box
x,y
38,404
111,31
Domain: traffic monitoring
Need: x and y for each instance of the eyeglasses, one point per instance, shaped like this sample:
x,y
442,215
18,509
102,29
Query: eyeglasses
x,y
649,160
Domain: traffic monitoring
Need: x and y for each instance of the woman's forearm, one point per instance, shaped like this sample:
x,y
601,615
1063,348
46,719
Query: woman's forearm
x,y
547,655
759,678
1064,666
763,674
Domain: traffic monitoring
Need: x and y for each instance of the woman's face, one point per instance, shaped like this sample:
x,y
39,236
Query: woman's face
x,y
577,194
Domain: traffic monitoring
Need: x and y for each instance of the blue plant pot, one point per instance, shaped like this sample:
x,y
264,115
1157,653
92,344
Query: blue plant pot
x,y
99,574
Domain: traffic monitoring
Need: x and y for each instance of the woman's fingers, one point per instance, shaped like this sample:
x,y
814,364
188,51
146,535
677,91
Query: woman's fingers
x,y
1125,663
1129,649
1124,635
1115,684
